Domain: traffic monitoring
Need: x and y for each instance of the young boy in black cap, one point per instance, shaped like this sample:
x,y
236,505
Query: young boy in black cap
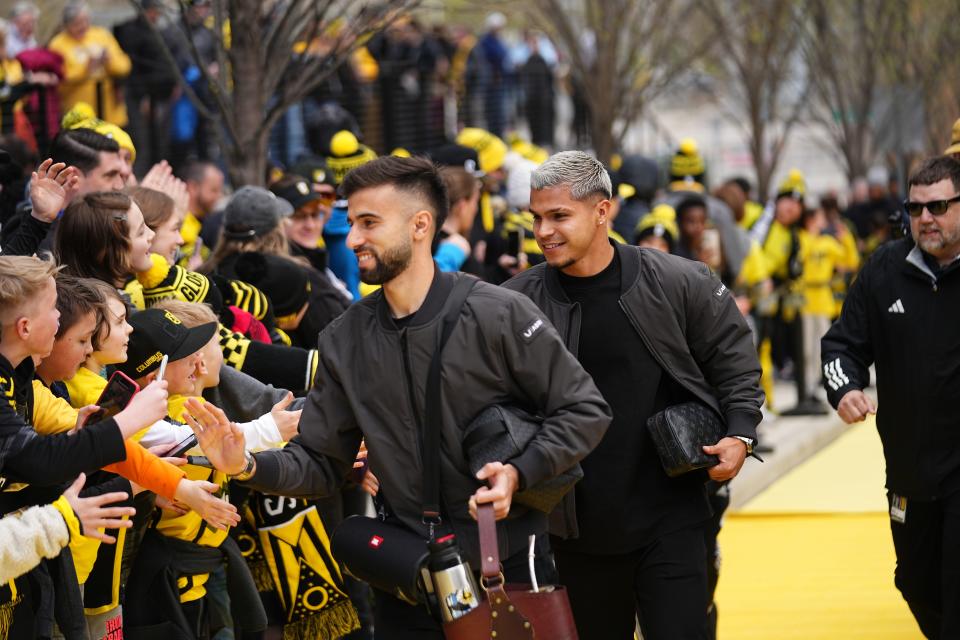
x,y
157,333
181,540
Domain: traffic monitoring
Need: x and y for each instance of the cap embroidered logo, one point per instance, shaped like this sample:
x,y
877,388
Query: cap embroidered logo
x,y
375,542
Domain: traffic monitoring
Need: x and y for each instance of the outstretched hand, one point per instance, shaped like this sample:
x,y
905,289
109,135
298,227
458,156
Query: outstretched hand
x,y
92,513
197,494
288,422
52,186
222,441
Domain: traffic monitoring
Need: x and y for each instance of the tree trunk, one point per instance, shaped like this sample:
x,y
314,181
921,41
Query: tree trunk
x,y
248,151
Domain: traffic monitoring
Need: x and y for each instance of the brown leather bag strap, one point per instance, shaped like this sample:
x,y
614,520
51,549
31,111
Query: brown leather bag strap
x,y
506,620
489,550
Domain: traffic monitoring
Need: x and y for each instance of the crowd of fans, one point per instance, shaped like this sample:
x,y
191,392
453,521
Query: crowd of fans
x,y
154,253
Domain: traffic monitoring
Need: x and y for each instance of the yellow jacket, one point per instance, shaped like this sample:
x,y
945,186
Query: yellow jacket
x,y
822,255
776,250
11,73
79,85
752,211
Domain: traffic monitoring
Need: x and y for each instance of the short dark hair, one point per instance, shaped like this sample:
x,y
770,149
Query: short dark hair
x,y
195,170
742,183
688,203
81,148
75,299
416,175
933,170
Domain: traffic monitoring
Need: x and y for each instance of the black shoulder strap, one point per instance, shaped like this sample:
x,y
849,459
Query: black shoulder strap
x,y
431,435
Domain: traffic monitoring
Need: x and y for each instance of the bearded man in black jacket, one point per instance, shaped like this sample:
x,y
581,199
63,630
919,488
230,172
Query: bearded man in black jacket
x,y
371,384
653,330
901,315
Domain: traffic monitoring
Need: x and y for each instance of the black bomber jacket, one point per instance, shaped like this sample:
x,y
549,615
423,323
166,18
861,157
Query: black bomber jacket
x,y
371,384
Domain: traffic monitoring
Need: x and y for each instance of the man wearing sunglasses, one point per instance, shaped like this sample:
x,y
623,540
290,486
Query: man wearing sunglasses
x,y
903,315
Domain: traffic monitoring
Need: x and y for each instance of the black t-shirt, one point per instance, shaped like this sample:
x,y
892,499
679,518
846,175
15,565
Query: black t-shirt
x,y
625,500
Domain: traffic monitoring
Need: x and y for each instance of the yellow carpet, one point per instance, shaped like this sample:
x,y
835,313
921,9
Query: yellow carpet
x,y
812,556
845,477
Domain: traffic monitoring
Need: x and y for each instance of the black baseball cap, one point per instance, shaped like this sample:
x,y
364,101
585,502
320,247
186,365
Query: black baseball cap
x,y
157,332
315,168
458,155
296,190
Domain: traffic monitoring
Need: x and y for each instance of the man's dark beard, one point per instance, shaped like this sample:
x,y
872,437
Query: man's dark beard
x,y
392,263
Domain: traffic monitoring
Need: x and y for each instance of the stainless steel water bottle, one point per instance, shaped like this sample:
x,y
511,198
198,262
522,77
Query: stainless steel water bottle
x,y
453,581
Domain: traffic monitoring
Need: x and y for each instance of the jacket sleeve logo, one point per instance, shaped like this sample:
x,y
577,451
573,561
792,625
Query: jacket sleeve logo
x,y
530,331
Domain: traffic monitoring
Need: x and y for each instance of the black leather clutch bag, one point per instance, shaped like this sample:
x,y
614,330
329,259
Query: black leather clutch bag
x,y
500,433
680,432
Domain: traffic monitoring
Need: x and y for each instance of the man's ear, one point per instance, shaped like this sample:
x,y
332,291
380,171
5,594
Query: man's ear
x,y
147,379
422,224
602,210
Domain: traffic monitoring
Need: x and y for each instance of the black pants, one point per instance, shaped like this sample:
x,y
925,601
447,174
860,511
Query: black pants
x,y
719,497
397,620
664,584
928,564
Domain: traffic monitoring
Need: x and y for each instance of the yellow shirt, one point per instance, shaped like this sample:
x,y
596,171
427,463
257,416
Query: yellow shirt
x,y
751,213
11,73
190,526
776,251
822,255
190,230
79,85
85,388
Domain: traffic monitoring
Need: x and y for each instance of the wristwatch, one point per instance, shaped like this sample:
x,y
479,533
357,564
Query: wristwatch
x,y
248,470
747,441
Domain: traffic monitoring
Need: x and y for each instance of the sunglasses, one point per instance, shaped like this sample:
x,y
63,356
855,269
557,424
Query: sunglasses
x,y
935,207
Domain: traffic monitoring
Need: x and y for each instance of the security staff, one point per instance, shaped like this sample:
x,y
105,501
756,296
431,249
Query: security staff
x,y
901,316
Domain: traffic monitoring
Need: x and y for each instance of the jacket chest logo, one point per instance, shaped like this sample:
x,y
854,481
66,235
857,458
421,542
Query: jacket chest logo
x,y
897,307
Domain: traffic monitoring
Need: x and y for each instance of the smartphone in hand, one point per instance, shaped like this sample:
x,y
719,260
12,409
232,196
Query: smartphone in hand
x,y
116,395
514,242
179,449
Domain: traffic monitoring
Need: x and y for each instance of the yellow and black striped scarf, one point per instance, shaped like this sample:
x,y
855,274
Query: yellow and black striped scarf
x,y
288,550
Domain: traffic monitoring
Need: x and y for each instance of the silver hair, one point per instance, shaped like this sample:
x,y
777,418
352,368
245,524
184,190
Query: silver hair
x,y
73,9
23,7
585,175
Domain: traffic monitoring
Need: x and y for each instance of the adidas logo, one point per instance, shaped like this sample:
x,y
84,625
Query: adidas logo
x,y
896,307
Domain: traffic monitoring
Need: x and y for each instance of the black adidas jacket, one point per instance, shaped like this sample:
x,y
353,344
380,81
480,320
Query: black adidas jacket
x,y
904,318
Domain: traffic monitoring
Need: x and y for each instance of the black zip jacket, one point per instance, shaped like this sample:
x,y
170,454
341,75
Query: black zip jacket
x,y
688,321
371,383
30,458
904,317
